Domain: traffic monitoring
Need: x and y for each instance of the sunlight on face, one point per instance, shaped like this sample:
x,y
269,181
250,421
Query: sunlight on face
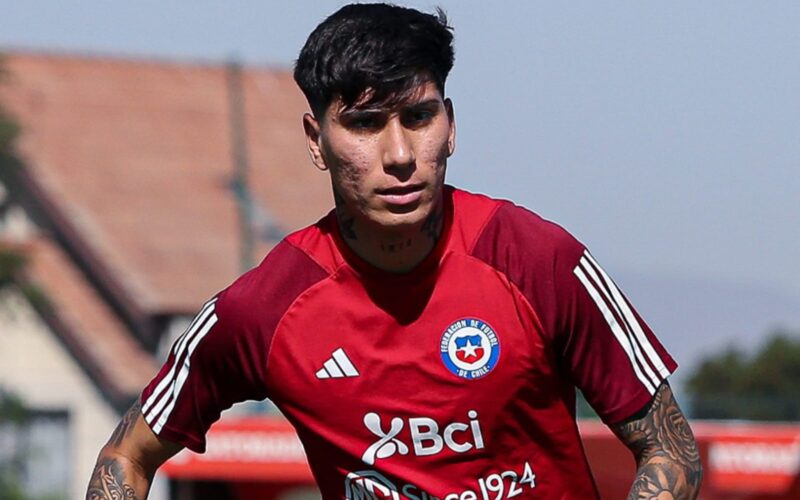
x,y
388,165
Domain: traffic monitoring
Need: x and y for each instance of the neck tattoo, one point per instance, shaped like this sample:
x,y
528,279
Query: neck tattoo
x,y
346,220
395,246
432,227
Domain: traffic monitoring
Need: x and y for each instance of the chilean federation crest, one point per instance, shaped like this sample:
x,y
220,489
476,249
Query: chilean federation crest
x,y
470,348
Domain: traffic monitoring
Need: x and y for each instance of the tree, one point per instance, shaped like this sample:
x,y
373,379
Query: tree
x,y
763,386
9,129
13,261
13,415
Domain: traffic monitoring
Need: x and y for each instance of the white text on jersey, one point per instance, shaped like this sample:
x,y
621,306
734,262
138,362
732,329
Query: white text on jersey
x,y
425,437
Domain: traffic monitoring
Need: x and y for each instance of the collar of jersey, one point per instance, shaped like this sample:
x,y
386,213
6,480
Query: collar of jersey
x,y
425,269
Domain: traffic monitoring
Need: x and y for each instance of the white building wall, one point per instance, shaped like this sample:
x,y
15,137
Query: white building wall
x,y
37,368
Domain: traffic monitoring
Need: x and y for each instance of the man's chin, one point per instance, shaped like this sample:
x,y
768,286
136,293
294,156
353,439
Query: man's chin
x,y
403,210
401,221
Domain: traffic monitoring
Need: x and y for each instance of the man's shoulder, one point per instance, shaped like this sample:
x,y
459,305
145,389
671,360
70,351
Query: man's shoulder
x,y
509,228
285,273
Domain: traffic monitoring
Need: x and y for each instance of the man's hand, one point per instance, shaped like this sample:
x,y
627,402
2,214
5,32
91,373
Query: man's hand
x,y
668,463
129,460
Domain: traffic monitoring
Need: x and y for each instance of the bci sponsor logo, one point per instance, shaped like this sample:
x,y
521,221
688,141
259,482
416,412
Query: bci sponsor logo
x,y
427,438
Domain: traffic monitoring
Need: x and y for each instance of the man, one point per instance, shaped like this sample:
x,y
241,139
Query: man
x,y
424,341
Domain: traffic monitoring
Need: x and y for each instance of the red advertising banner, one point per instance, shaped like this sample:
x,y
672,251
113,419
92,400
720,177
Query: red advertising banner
x,y
264,448
751,457
741,460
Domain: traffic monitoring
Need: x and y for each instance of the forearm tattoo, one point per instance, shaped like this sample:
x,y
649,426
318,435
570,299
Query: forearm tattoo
x,y
125,425
109,482
666,453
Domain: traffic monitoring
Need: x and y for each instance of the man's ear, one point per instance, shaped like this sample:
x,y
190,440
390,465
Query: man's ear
x,y
314,140
451,139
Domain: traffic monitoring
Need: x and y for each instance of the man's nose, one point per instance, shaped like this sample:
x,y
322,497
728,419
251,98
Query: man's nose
x,y
397,148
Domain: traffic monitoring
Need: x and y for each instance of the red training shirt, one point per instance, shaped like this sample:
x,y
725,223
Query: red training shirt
x,y
455,381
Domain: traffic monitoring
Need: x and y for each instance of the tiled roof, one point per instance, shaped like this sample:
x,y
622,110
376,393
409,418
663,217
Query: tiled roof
x,y
137,156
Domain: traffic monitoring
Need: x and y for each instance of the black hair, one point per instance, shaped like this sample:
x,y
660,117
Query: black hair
x,y
382,49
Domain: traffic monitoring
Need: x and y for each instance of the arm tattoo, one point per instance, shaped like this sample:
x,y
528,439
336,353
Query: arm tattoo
x,y
108,482
666,453
125,425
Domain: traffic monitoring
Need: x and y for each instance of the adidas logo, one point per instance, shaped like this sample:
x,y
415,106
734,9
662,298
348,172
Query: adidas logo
x,y
337,366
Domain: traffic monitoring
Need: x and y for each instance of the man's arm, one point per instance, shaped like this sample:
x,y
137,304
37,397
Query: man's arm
x,y
668,463
128,461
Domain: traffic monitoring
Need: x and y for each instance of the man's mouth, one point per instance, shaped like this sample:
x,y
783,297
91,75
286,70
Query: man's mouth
x,y
401,195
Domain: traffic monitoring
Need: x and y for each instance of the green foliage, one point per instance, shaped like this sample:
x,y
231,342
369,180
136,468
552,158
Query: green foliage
x,y
11,263
37,298
9,130
12,410
9,489
12,414
764,386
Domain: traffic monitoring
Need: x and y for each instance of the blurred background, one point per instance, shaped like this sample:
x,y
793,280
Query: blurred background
x,y
152,151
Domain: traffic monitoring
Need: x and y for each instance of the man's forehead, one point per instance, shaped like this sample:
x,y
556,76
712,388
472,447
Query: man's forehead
x,y
404,98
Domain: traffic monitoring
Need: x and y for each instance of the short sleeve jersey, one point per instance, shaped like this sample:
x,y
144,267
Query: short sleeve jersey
x,y
455,381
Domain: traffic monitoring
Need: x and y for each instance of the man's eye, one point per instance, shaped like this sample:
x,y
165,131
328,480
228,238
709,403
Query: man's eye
x,y
419,117
365,122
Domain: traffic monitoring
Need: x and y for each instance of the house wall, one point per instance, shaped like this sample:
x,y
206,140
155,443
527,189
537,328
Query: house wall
x,y
36,367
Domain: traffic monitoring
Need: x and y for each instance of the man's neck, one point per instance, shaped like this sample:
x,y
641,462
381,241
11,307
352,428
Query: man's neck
x,y
393,251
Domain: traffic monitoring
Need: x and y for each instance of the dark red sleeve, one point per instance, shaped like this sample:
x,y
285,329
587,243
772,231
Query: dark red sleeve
x,y
612,354
599,340
221,359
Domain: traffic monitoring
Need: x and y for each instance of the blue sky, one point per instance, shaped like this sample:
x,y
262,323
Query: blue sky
x,y
666,136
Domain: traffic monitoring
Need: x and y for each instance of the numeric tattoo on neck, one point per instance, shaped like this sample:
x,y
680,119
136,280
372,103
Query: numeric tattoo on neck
x,y
395,247
344,218
108,482
665,449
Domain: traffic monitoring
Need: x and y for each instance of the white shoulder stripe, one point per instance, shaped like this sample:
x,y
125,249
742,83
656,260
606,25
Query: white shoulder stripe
x,y
652,355
207,309
179,347
625,322
182,376
615,328
156,401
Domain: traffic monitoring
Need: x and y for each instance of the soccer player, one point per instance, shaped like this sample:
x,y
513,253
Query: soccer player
x,y
424,341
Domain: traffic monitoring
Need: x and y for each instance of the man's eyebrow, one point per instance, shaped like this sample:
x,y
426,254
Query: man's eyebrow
x,y
433,101
377,110
361,112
